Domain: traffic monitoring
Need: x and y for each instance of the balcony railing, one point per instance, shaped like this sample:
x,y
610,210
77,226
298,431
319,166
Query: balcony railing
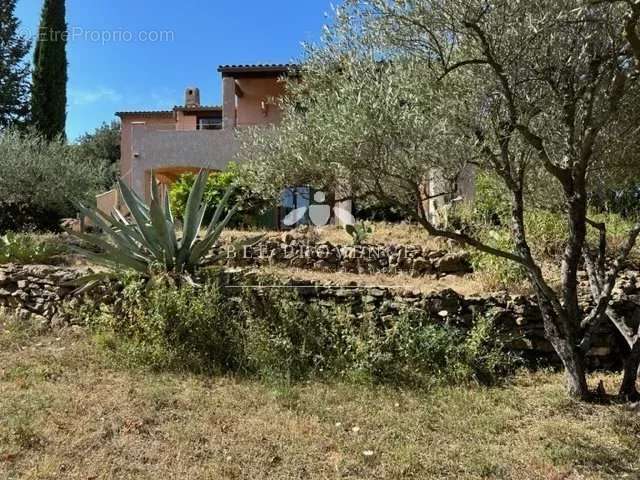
x,y
204,148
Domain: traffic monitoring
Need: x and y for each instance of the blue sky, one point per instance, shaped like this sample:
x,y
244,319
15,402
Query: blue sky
x,y
141,54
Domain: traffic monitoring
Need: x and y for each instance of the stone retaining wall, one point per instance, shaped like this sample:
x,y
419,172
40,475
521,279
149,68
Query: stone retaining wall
x,y
39,291
388,259
517,317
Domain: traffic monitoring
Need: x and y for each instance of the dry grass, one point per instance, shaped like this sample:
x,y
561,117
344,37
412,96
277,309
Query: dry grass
x,y
463,285
384,233
66,414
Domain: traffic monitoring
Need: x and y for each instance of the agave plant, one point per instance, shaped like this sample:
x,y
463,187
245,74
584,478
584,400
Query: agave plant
x,y
150,240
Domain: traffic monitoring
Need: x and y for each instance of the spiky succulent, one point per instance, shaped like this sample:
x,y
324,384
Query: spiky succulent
x,y
147,238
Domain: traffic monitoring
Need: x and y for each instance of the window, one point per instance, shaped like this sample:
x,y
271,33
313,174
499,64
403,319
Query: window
x,y
209,123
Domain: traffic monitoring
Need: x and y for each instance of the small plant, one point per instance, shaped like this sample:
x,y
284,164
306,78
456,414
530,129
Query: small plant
x,y
162,325
28,248
277,335
359,232
151,240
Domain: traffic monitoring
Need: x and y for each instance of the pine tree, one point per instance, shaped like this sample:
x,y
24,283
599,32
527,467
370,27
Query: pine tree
x,y
14,71
49,91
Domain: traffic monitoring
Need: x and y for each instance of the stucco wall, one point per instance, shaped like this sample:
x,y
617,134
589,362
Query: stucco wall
x,y
256,91
211,149
186,122
134,122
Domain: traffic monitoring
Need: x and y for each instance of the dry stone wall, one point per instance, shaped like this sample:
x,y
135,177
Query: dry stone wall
x,y
39,292
324,256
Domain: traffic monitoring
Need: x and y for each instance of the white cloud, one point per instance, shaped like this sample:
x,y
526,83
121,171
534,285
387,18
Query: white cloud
x,y
90,97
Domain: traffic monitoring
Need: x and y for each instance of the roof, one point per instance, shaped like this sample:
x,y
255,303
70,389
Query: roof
x,y
145,113
167,113
200,108
258,68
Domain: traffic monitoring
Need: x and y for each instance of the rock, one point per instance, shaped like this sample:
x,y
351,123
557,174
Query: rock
x,y
421,265
453,263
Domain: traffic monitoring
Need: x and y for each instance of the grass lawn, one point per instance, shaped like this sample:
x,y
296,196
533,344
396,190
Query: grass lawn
x,y
66,413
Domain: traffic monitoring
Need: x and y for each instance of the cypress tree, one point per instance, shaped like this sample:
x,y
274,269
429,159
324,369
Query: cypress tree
x,y
14,71
49,91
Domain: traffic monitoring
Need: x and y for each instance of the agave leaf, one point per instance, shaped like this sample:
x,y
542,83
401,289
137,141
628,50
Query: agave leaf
x,y
159,224
117,214
88,278
86,287
120,239
112,254
167,209
141,215
200,249
88,282
135,199
194,214
220,209
106,225
194,210
170,223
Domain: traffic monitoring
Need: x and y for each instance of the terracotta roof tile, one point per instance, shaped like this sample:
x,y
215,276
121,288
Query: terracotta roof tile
x,y
145,113
257,68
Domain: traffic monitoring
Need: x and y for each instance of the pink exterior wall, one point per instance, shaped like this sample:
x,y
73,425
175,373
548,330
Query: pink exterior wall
x,y
129,122
255,91
243,110
186,122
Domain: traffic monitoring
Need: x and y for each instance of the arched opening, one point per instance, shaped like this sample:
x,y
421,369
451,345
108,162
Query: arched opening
x,y
167,176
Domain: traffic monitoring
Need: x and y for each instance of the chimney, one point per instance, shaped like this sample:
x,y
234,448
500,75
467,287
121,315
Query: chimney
x,y
192,97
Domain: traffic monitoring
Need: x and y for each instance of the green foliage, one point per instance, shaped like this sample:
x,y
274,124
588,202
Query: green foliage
x,y
496,272
359,232
29,248
217,184
491,204
166,327
49,90
377,126
151,239
14,71
275,334
41,180
102,146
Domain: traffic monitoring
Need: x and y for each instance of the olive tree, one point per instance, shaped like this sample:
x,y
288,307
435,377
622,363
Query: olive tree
x,y
41,180
535,92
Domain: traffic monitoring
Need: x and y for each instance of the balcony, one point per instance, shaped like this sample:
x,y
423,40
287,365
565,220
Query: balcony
x,y
206,148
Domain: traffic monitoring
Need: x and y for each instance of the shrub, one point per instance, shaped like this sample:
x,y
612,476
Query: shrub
x,y
102,146
217,184
488,219
41,180
495,272
30,248
273,333
491,203
164,326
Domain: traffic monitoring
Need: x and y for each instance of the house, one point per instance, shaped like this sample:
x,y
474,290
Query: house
x,y
193,136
